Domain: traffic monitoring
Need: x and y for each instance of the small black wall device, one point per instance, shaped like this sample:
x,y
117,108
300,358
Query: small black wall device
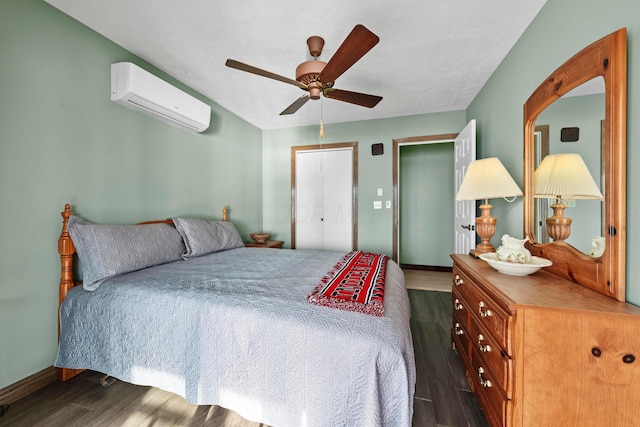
x,y
569,134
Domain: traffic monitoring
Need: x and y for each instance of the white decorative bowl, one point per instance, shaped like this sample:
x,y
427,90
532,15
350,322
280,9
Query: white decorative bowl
x,y
514,268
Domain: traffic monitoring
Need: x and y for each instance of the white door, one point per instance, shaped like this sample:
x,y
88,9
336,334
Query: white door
x,y
464,153
324,211
309,208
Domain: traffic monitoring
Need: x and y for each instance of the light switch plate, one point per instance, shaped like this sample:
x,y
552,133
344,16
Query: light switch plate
x,y
377,204
388,205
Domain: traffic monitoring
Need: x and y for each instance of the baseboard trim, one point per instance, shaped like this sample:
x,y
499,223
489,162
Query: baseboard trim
x,y
426,268
26,386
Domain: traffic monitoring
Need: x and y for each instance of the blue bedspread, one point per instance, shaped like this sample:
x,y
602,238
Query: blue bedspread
x,y
235,329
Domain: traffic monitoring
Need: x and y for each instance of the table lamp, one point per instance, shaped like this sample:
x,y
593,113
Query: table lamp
x,y
563,177
486,179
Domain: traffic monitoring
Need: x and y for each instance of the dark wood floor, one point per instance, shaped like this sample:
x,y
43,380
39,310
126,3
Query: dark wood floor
x,y
442,395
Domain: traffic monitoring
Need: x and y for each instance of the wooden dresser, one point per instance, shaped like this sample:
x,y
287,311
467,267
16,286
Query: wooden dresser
x,y
540,350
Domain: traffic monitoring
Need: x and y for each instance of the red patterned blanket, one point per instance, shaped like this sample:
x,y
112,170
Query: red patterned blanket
x,y
355,283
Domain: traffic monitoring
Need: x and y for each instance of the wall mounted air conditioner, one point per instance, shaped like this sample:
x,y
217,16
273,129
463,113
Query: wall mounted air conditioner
x,y
138,89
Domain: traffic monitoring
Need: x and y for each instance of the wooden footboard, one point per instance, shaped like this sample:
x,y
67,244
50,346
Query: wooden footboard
x,y
67,251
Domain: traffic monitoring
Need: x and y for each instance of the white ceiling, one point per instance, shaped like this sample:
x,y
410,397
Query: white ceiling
x,y
433,55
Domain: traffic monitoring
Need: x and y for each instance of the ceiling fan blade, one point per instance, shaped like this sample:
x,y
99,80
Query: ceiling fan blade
x,y
255,70
296,105
357,98
355,46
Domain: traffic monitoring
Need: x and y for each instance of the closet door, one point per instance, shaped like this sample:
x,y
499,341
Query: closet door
x,y
309,207
337,187
323,210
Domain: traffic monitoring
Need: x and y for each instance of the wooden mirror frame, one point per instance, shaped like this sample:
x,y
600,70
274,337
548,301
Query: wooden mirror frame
x,y
606,57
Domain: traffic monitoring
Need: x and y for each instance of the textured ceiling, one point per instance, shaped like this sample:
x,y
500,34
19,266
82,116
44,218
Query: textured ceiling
x,y
433,55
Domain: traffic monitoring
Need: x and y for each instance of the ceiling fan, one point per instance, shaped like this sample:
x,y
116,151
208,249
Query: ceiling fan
x,y
318,77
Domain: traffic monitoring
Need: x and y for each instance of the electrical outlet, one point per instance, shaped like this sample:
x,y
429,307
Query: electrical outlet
x,y
379,192
377,204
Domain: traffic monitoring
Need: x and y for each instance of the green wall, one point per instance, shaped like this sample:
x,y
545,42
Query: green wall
x,y
375,227
561,29
427,199
64,141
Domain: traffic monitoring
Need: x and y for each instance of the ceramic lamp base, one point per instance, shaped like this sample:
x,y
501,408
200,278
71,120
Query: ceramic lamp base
x,y
558,225
486,228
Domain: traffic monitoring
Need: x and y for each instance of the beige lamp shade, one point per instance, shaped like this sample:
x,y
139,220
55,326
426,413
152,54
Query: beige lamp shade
x,y
564,177
487,179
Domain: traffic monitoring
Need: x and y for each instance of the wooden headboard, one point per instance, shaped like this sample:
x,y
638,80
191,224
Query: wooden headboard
x,y
67,250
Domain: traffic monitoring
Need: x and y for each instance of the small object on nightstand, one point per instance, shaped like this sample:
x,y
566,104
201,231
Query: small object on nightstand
x,y
260,237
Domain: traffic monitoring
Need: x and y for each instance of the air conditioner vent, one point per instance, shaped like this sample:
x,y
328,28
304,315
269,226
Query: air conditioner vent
x,y
138,89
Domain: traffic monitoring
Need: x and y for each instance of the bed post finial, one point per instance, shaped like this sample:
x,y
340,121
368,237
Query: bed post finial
x,y
224,213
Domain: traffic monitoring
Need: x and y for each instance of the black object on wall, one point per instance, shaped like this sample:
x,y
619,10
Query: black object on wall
x,y
377,149
569,134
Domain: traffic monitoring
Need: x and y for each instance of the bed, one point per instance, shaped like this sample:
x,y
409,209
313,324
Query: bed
x,y
233,327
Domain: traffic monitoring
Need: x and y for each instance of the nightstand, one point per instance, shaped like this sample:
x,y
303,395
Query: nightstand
x,y
275,244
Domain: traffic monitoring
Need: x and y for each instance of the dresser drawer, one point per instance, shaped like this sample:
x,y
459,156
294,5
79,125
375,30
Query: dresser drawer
x,y
490,395
460,337
460,307
493,357
490,314
461,342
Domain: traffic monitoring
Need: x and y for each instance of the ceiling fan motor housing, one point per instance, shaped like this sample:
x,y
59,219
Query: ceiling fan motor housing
x,y
307,73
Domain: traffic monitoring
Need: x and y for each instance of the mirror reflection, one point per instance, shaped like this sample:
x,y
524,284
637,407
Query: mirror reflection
x,y
574,124
606,58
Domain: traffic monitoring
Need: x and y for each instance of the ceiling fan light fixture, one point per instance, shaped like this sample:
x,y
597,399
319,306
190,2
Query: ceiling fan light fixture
x,y
314,91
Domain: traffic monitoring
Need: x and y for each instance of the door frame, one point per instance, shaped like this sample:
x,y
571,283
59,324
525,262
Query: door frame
x,y
397,143
354,185
541,141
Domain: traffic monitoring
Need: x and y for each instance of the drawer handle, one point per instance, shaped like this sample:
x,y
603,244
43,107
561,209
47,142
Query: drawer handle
x,y
457,305
485,312
483,382
483,348
458,330
628,358
457,280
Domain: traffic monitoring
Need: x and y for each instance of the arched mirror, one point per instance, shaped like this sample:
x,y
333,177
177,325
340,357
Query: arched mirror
x,y
581,109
